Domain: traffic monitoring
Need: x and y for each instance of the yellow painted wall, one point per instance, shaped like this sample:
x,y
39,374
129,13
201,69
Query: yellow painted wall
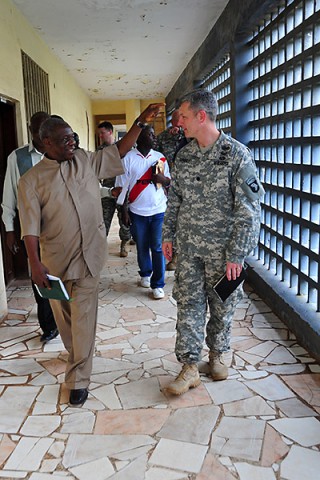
x,y
101,107
130,108
145,103
66,97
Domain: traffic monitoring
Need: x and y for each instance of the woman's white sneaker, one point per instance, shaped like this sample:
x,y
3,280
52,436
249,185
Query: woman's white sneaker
x,y
158,293
145,282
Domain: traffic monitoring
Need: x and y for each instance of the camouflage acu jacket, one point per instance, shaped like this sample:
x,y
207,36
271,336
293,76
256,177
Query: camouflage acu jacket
x,y
167,144
214,201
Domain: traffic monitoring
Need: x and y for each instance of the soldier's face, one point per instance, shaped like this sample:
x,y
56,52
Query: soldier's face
x,y
189,120
106,136
175,118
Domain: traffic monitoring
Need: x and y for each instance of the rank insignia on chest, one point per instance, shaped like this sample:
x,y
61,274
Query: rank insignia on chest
x,y
226,148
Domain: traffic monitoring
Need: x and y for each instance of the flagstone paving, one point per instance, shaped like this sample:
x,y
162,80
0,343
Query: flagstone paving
x,y
261,423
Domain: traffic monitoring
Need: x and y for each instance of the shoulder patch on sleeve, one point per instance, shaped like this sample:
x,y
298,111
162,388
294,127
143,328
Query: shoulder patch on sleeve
x,y
250,183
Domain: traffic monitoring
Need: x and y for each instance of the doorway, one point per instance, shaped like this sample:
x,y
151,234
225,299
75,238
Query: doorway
x,y
14,266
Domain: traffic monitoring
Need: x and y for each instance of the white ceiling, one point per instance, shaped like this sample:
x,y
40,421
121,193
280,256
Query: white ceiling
x,y
122,49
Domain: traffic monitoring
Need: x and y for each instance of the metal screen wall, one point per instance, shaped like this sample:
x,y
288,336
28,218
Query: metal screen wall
x,y
285,122
218,80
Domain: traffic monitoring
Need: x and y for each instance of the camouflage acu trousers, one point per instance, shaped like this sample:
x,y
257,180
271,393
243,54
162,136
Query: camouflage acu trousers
x,y
193,291
109,206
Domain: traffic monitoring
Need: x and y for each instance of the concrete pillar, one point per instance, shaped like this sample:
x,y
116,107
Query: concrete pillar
x,y
133,110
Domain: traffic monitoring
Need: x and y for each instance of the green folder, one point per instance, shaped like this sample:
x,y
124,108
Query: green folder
x,y
56,292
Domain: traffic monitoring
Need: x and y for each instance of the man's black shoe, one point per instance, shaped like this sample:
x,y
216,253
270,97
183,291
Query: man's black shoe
x,y
46,337
78,397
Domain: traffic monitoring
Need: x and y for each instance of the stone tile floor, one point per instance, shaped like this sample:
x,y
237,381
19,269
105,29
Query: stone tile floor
x,y
262,423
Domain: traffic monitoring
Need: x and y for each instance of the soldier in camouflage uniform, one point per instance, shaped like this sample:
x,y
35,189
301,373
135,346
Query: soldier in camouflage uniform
x,y
214,211
169,140
109,194
169,143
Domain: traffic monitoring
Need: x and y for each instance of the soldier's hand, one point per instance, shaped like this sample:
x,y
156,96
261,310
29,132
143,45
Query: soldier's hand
x,y
167,250
174,130
233,270
12,242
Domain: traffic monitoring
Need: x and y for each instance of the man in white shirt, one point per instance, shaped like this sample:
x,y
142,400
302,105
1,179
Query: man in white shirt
x,y
19,162
145,179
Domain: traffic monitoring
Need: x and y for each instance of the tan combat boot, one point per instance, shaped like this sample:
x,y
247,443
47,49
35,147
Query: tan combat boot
x,y
218,369
187,378
123,250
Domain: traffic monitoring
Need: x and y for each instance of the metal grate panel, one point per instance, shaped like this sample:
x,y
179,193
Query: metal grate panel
x,y
285,140
36,87
219,80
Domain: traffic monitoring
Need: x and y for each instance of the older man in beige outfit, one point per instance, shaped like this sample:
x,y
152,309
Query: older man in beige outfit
x,y
59,203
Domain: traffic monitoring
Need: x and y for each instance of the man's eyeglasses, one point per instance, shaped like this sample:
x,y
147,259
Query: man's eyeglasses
x,y
68,139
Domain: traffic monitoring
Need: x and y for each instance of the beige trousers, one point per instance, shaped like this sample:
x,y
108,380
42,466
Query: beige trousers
x,y
77,322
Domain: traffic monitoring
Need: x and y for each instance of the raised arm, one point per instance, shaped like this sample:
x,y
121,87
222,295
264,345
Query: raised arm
x,y
127,142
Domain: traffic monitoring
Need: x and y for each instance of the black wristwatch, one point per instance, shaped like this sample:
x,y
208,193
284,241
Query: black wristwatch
x,y
140,124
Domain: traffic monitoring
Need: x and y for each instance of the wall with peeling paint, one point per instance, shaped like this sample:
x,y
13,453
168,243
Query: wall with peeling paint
x,y
221,38
101,107
66,97
129,108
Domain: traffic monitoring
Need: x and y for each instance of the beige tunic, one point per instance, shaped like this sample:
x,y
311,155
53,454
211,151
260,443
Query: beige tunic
x,y
60,204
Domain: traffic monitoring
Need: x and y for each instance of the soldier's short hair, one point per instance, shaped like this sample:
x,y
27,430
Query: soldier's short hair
x,y
201,99
106,125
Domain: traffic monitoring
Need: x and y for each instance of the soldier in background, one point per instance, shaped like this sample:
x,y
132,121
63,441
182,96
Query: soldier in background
x,y
169,142
214,211
109,194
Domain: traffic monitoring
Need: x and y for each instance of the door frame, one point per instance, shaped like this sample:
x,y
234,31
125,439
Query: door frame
x,y
14,266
